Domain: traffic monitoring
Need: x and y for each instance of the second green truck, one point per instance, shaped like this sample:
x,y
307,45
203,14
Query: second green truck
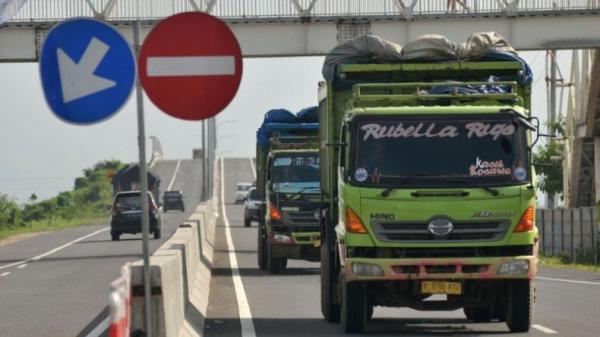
x,y
287,159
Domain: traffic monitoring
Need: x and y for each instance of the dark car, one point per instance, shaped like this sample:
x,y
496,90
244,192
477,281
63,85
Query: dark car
x,y
127,215
173,200
251,207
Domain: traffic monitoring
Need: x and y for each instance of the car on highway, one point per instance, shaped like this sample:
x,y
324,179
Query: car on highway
x,y
242,192
251,207
173,200
127,215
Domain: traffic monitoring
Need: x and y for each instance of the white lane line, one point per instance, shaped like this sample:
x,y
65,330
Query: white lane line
x,y
243,306
253,168
5,273
100,328
22,266
41,256
159,66
174,175
568,281
543,329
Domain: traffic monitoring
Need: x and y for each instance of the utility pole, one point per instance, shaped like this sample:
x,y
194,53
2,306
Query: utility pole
x,y
551,115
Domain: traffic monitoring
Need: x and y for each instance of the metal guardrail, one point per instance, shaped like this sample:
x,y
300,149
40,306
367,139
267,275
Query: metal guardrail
x,y
46,10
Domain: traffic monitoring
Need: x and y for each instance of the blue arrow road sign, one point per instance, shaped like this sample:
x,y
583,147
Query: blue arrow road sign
x,y
87,70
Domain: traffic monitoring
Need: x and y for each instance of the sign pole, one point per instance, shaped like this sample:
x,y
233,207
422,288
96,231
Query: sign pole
x,y
144,189
204,154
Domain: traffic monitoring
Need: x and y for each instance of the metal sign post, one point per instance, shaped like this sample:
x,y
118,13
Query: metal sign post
x,y
144,189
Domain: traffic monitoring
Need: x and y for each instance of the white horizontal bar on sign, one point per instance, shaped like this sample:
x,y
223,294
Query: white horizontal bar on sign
x,y
163,66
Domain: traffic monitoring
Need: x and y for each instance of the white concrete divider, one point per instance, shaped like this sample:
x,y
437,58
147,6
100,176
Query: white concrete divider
x,y
180,272
166,280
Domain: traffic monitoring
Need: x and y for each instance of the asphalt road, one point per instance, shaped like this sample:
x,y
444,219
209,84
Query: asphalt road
x,y
65,293
568,302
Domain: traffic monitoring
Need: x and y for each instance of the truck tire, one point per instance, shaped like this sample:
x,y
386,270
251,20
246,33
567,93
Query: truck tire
x,y
275,265
479,314
247,222
262,254
330,307
115,236
519,309
354,307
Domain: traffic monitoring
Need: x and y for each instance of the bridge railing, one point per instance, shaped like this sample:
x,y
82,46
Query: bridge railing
x,y
44,10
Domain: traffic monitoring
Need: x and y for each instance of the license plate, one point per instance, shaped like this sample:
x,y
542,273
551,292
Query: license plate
x,y
439,287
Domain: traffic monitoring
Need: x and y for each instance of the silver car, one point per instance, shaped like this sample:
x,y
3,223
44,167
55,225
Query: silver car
x,y
242,192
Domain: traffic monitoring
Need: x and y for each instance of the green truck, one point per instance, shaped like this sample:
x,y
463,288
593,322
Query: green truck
x,y
287,169
427,169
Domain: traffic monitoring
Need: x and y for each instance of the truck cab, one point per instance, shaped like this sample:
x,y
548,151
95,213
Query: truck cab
x,y
293,207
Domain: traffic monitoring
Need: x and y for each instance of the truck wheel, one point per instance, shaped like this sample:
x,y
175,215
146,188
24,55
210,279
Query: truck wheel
x,y
115,236
478,314
354,307
247,222
262,254
329,304
519,310
275,265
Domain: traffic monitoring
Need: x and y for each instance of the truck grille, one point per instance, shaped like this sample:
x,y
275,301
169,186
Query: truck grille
x,y
418,231
301,221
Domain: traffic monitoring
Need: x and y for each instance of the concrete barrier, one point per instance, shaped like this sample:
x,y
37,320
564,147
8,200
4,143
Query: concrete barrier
x,y
180,272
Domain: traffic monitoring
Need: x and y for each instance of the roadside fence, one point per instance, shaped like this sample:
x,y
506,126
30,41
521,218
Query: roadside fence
x,y
571,233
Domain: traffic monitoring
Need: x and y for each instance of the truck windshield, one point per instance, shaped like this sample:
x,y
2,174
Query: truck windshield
x,y
438,151
295,173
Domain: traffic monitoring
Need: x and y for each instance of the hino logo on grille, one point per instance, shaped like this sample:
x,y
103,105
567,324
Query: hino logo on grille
x,y
440,227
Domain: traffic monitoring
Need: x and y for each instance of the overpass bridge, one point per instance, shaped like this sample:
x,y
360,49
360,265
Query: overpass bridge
x,y
274,28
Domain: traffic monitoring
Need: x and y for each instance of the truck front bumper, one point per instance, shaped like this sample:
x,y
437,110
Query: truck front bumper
x,y
299,245
488,268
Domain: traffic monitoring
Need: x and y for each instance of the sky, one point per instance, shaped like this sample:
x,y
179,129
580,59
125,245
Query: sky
x,y
41,154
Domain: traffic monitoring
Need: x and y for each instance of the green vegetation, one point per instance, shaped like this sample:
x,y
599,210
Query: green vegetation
x,y
547,161
566,262
87,203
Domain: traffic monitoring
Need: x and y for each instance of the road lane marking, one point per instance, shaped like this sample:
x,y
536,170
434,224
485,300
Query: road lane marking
x,y
159,66
243,307
543,328
41,256
253,168
100,328
5,273
174,175
568,281
22,266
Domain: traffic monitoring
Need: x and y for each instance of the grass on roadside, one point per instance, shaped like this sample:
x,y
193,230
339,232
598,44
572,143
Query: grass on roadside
x,y
50,225
563,262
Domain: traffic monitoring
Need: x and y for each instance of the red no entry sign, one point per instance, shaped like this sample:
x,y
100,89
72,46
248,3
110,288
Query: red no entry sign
x,y
190,65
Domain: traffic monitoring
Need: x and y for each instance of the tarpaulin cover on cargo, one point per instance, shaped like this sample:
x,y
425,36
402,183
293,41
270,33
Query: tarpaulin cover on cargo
x,y
282,121
488,46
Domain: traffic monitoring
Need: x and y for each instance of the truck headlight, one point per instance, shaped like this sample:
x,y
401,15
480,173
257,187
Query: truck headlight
x,y
282,238
366,269
514,267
